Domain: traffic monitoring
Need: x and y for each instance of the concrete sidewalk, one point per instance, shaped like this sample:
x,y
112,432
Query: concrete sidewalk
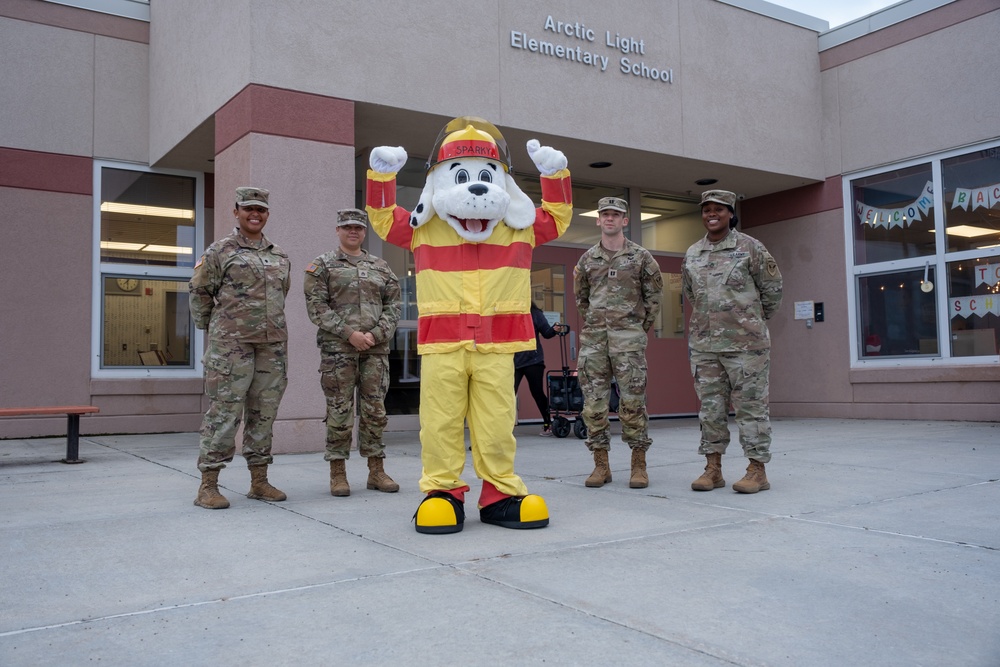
x,y
878,544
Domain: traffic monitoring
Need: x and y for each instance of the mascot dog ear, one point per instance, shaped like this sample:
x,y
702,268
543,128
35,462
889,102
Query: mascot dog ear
x,y
521,210
424,210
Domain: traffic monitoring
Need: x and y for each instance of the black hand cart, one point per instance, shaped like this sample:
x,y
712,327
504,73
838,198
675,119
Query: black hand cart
x,y
565,396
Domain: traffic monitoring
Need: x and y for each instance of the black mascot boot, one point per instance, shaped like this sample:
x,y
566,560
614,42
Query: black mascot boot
x,y
439,513
513,512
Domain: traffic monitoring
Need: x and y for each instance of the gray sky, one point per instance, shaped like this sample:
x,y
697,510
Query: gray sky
x,y
837,12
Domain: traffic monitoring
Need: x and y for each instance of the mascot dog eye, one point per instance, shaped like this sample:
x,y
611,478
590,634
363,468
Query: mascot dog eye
x,y
462,176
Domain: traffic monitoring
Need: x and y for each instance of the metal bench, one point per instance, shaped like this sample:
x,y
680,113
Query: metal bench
x,y
72,413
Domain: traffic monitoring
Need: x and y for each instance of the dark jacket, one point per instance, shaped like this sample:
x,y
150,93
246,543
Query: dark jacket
x,y
536,356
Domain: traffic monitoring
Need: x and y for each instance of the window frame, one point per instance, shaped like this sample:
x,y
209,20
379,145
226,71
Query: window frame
x,y
938,262
132,9
100,270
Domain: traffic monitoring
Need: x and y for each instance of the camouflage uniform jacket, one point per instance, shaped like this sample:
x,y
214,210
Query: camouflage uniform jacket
x,y
733,286
238,290
618,296
345,294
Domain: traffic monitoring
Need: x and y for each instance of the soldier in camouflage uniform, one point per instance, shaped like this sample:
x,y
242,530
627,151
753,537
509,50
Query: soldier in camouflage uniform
x,y
238,293
618,289
354,299
734,286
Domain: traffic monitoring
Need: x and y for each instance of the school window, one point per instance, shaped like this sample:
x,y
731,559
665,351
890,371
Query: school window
x,y
924,257
670,224
583,227
148,226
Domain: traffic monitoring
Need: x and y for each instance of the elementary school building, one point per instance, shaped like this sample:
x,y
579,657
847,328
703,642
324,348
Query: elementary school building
x,y
866,158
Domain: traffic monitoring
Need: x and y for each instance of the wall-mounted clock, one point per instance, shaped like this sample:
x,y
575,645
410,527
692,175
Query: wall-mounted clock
x,y
127,284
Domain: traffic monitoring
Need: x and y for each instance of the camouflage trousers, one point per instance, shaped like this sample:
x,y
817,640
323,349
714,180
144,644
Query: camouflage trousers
x,y
596,368
739,378
241,380
341,374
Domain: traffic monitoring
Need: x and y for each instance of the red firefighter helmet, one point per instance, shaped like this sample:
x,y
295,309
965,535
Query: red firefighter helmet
x,y
468,136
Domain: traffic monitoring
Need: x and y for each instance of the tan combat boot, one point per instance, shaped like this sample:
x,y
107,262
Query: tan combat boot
x,y
208,493
260,488
377,479
755,480
338,479
602,472
712,477
639,479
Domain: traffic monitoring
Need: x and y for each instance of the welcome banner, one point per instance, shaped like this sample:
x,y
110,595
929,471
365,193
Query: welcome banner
x,y
987,197
896,217
982,304
988,274
967,306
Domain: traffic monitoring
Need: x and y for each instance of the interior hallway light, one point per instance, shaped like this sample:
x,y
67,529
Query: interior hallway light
x,y
643,217
120,245
138,209
168,249
143,247
968,231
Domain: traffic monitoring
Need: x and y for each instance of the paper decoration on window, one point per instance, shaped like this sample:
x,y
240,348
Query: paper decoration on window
x,y
967,306
981,304
897,217
988,274
973,198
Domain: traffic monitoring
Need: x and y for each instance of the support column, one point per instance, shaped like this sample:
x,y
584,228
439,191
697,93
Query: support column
x,y
300,147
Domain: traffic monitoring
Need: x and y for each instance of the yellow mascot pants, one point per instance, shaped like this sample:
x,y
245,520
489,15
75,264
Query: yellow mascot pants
x,y
461,386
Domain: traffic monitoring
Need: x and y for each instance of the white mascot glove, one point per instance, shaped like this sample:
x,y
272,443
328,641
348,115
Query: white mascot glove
x,y
547,159
387,159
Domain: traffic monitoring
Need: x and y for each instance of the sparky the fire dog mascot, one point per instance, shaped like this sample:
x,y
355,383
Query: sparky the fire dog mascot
x,y
472,234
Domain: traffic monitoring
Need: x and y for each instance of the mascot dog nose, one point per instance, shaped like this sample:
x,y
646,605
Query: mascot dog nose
x,y
478,189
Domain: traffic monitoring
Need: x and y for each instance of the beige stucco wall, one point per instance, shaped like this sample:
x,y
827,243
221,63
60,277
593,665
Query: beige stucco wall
x,y
809,366
919,97
82,94
121,101
738,75
53,109
750,93
45,324
200,55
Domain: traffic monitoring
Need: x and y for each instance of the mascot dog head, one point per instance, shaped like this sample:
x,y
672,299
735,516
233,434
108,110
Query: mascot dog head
x,y
470,187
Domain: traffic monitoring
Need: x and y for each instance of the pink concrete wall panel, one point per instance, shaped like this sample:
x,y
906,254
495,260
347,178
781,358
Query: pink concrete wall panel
x,y
309,179
45,327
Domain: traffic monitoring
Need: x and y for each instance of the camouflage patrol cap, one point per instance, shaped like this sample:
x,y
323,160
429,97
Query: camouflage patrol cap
x,y
352,216
724,197
613,203
250,196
